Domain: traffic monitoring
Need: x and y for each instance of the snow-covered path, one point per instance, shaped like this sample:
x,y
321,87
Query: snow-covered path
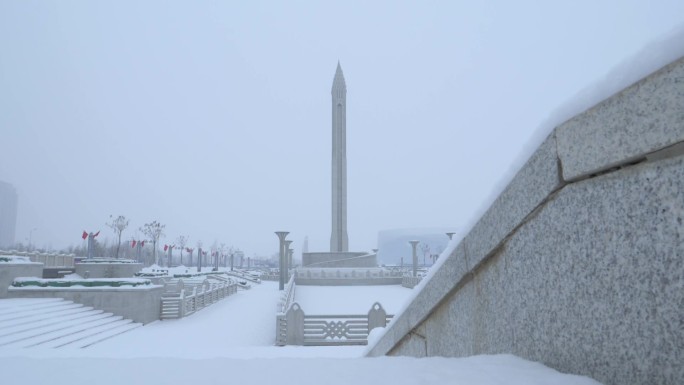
x,y
240,326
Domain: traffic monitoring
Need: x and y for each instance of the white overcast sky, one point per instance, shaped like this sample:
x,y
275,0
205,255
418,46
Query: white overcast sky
x,y
213,117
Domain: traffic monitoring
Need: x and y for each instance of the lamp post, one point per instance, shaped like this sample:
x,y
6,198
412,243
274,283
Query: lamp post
x,y
281,254
415,257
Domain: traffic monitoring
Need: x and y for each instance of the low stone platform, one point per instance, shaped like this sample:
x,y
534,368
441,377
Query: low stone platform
x,y
339,259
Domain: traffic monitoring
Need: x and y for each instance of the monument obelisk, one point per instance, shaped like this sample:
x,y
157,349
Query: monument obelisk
x,y
339,240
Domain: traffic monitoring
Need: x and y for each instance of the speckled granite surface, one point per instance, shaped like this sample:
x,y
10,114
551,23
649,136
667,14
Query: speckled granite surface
x,y
583,273
643,118
592,285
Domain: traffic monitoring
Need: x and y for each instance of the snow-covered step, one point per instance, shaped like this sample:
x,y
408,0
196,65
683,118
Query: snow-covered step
x,y
52,330
17,303
86,333
42,321
55,323
27,319
37,309
51,336
90,341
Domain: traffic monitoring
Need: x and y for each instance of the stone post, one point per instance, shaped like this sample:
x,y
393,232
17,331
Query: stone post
x,y
91,244
138,252
415,257
199,259
281,255
286,256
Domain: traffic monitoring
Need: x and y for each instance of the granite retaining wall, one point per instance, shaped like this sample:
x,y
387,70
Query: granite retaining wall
x,y
579,263
10,271
108,270
141,304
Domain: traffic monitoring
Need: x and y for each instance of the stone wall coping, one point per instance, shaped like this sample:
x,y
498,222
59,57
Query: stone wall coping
x,y
574,150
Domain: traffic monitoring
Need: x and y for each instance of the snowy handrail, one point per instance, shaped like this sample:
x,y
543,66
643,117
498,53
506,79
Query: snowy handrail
x,y
181,305
287,296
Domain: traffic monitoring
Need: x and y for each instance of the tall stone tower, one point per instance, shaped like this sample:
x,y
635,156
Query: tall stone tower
x,y
339,240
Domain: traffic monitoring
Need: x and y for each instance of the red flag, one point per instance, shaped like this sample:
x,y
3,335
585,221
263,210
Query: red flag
x,y
133,243
96,234
85,235
142,243
166,247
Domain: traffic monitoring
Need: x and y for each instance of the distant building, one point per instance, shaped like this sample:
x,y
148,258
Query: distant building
x,y
8,214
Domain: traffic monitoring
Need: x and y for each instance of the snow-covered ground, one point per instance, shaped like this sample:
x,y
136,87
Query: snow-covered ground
x,y
350,299
232,342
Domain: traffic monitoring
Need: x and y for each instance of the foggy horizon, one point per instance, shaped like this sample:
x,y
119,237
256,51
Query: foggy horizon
x,y
214,119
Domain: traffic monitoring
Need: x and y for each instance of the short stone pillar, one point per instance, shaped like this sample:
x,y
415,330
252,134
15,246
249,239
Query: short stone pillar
x,y
295,325
415,257
377,317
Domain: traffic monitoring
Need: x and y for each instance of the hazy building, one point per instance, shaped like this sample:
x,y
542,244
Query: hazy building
x,y
8,214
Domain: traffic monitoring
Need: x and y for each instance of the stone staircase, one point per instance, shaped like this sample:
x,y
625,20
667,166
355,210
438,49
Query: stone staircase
x,y
56,323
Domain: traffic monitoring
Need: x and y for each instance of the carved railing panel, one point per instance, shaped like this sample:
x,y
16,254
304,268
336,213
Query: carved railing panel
x,y
296,328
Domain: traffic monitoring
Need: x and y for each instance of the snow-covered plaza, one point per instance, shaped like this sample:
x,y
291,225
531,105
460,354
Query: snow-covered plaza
x,y
232,341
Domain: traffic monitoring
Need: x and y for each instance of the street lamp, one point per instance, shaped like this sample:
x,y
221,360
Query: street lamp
x,y
281,254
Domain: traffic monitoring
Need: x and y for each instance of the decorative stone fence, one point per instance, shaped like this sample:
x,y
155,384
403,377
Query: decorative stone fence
x,y
185,303
347,276
294,327
287,296
243,276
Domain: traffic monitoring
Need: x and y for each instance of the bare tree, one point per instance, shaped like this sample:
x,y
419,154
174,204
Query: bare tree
x,y
118,224
182,241
153,231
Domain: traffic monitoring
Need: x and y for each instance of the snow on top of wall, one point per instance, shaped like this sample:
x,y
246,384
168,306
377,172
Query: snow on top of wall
x,y
652,57
17,260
